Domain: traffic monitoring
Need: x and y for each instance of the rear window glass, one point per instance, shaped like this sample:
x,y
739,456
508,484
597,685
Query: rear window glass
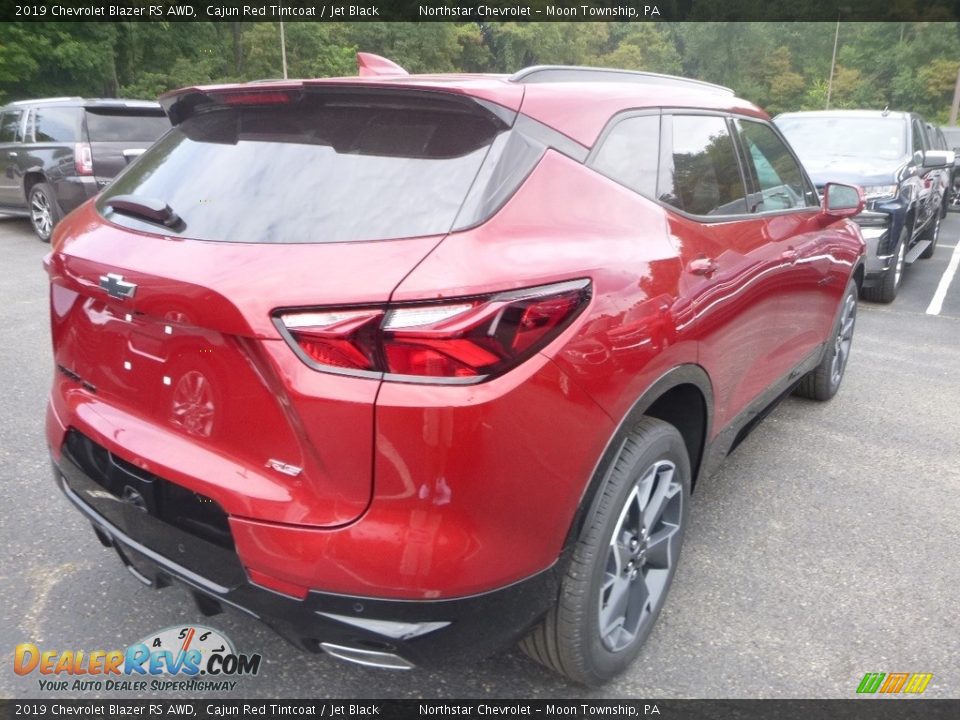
x,y
315,171
112,127
56,124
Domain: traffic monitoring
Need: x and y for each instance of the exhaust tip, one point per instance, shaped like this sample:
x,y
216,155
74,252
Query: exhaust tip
x,y
370,658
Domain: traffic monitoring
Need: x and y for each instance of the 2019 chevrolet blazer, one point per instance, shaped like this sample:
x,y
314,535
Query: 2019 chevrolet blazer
x,y
414,367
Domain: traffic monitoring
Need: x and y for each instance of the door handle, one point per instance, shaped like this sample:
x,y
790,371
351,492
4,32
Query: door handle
x,y
703,266
790,255
11,154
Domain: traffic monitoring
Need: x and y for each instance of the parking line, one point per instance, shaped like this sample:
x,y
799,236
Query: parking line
x,y
936,304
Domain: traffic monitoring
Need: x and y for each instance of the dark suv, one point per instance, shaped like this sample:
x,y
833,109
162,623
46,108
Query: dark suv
x,y
56,153
411,367
890,155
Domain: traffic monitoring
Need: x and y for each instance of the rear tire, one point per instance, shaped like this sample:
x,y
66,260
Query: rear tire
x,y
932,233
623,563
823,381
44,210
886,290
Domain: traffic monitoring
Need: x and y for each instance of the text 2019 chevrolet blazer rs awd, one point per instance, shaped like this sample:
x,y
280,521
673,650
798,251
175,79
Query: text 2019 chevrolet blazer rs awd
x,y
414,367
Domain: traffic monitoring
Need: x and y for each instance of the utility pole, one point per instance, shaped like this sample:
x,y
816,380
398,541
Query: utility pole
x,y
833,62
283,49
956,101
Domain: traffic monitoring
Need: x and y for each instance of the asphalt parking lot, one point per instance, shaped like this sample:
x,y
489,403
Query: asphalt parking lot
x,y
825,548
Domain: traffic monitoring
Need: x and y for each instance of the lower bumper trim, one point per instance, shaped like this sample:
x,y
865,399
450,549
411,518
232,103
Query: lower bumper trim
x,y
397,634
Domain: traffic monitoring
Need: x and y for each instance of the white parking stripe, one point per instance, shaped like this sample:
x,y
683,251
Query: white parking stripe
x,y
936,304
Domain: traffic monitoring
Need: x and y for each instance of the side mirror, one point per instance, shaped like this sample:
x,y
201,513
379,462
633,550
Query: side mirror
x,y
937,159
841,201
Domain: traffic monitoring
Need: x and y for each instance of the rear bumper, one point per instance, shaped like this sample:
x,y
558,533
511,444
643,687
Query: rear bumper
x,y
371,631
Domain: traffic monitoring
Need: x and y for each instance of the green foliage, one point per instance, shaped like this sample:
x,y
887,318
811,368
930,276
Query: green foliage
x,y
780,66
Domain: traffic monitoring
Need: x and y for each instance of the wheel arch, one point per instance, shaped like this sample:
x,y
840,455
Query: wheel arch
x,y
683,397
858,274
30,178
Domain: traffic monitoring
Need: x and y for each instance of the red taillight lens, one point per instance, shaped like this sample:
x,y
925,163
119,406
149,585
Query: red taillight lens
x,y
465,340
339,339
83,159
540,317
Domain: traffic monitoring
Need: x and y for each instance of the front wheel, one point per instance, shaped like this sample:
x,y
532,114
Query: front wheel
x,y
623,564
823,381
886,290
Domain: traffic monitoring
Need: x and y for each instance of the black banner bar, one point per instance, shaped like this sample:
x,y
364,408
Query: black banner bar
x,y
474,11
577,709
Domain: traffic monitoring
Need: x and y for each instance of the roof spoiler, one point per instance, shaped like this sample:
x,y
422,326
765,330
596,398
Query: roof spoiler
x,y
369,64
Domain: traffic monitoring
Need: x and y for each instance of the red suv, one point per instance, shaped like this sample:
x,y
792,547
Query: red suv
x,y
412,367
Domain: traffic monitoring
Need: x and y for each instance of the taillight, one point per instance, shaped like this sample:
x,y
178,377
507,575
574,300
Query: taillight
x,y
466,340
337,338
257,97
83,159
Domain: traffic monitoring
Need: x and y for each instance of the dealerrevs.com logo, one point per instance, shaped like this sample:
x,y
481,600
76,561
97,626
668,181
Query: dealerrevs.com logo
x,y
177,659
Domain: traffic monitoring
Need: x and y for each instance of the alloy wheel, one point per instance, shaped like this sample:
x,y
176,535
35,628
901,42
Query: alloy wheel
x,y
641,556
844,339
41,215
898,270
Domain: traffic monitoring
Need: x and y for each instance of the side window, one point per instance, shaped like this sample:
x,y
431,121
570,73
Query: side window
x,y
630,152
700,174
774,170
56,124
9,125
941,141
918,143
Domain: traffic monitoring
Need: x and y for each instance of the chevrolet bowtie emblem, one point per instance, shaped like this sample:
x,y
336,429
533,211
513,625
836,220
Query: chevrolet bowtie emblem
x,y
116,286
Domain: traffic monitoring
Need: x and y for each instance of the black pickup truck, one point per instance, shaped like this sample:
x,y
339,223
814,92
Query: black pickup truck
x,y
56,153
903,174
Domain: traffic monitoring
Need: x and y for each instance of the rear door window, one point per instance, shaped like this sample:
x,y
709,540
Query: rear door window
x,y
699,172
56,124
319,170
105,126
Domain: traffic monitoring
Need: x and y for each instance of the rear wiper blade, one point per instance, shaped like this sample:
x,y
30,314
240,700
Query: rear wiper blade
x,y
149,209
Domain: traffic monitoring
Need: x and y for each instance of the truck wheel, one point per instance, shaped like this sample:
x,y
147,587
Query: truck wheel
x,y
886,290
623,563
45,211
